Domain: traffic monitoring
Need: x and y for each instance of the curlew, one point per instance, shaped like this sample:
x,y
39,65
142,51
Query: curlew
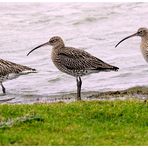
x,y
143,33
75,62
10,70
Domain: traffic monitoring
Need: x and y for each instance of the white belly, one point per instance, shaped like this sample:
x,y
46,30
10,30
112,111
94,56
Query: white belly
x,y
9,77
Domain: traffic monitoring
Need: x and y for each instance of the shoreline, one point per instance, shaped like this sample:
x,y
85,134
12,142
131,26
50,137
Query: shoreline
x,y
137,92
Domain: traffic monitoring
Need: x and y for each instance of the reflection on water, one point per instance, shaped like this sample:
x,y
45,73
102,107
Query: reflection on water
x,y
94,27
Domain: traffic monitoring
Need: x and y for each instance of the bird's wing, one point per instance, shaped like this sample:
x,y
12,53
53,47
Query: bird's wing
x,y
76,59
7,67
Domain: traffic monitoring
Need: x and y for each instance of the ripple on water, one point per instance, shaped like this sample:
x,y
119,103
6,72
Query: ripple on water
x,y
97,27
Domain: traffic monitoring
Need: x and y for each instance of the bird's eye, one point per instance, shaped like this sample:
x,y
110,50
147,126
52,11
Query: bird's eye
x,y
140,32
52,41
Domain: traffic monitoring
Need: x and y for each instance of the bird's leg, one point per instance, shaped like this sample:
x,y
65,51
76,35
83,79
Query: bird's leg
x,y
79,83
3,88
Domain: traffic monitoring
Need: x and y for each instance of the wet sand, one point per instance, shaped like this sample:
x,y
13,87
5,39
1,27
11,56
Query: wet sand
x,y
138,92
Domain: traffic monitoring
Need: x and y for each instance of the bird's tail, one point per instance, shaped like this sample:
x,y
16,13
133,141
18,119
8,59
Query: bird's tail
x,y
114,68
27,71
111,68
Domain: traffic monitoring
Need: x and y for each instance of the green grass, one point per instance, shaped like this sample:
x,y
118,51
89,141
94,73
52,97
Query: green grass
x,y
78,123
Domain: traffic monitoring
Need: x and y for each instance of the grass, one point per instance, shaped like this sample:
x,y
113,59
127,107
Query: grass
x,y
77,123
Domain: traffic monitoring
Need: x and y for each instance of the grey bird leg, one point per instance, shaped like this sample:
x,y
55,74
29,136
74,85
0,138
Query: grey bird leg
x,y
79,83
3,88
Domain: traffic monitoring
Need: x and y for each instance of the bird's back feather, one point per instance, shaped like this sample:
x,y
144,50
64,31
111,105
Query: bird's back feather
x,y
7,67
73,58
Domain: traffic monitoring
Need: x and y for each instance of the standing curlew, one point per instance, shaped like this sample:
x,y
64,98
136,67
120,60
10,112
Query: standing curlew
x,y
74,61
143,33
10,70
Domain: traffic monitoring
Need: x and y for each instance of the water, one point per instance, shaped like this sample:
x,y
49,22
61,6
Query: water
x,y
94,27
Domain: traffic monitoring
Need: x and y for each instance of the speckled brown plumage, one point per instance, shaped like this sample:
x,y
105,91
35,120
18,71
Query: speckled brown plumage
x,y
78,62
75,62
10,70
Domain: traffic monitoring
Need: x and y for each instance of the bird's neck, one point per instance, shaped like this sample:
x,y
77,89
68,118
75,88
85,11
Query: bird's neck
x,y
56,49
144,43
144,47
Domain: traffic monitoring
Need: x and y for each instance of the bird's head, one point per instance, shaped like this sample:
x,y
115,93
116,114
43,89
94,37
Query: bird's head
x,y
142,32
55,41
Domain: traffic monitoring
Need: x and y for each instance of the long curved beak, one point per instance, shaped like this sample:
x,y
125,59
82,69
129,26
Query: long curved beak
x,y
45,44
135,34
